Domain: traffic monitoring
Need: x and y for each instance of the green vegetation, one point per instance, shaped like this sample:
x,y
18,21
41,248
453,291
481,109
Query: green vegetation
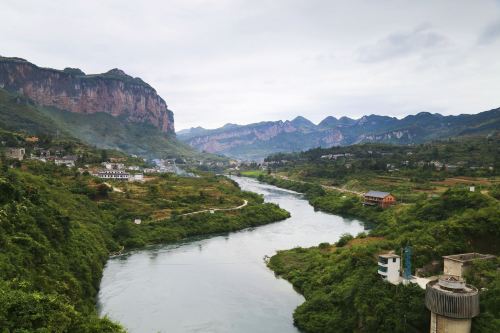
x,y
58,226
408,172
440,216
19,114
343,291
252,173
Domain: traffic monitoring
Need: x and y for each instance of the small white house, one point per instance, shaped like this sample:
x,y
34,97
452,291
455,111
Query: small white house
x,y
113,166
68,161
138,177
389,267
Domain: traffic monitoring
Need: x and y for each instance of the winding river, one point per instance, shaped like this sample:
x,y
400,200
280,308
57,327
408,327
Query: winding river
x,y
221,283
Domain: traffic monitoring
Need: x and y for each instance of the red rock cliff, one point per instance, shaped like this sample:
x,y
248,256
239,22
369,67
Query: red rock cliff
x,y
113,92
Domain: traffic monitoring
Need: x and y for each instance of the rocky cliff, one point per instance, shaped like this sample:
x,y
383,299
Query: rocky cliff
x,y
113,92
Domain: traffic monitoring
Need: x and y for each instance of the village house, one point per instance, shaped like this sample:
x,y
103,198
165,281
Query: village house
x,y
113,166
113,174
68,161
56,150
437,165
377,198
138,177
15,153
451,167
134,168
42,152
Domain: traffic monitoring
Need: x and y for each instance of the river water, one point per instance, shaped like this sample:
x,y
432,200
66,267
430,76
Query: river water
x,y
221,283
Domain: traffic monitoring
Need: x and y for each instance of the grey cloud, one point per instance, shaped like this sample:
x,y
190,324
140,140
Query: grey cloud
x,y
490,34
241,61
401,44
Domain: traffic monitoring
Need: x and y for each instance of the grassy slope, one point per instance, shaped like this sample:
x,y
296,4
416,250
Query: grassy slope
x,y
57,227
105,131
101,130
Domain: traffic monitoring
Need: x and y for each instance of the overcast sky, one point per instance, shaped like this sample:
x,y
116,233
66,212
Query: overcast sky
x,y
220,61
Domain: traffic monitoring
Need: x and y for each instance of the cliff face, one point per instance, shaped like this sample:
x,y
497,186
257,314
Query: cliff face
x,y
114,92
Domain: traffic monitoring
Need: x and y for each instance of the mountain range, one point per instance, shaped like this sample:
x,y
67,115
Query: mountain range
x,y
258,140
114,110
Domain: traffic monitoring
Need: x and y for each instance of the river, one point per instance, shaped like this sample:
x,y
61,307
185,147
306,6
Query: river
x,y
221,283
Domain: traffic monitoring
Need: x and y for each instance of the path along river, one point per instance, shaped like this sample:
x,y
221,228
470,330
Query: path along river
x,y
217,284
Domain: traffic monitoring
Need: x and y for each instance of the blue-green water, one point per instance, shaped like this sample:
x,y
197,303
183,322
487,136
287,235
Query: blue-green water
x,y
217,284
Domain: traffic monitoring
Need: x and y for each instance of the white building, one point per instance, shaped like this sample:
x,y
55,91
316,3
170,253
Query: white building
x,y
113,166
113,174
68,161
389,267
139,177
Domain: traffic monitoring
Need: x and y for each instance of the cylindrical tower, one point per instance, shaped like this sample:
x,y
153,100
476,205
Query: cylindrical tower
x,y
452,303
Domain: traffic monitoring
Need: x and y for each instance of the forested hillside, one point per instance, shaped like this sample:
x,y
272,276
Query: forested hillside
x,y
343,291
58,226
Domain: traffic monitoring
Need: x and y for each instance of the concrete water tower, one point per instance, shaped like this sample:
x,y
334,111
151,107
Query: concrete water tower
x,y
452,303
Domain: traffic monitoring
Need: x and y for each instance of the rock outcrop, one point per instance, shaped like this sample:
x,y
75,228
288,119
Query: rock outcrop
x,y
113,92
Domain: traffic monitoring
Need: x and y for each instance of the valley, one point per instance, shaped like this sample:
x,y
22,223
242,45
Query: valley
x,y
95,183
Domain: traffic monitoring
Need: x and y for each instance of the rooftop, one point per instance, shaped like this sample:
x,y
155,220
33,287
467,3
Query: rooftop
x,y
376,194
388,255
467,257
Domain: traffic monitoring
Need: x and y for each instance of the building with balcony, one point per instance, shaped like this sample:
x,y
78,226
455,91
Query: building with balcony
x,y
377,198
389,266
113,174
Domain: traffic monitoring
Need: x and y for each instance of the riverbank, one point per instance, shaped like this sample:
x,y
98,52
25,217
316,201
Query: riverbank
x,y
220,283
58,227
340,282
331,200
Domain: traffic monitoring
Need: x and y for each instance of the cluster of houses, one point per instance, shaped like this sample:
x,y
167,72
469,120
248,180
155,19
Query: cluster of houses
x,y
118,171
335,156
43,155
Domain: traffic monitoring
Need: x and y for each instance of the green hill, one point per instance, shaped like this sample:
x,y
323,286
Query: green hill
x,y
18,113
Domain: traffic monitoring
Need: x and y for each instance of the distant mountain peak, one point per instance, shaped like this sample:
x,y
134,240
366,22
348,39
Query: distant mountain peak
x,y
257,140
74,71
117,71
329,121
300,121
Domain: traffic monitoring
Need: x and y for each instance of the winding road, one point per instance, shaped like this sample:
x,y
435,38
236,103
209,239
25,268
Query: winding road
x,y
211,210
